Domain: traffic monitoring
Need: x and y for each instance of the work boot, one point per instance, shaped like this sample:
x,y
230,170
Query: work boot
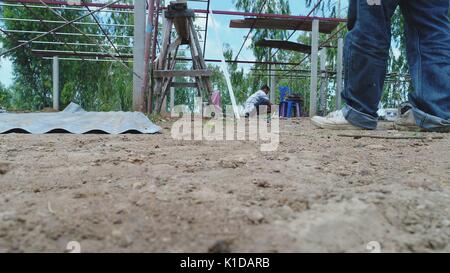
x,y
334,121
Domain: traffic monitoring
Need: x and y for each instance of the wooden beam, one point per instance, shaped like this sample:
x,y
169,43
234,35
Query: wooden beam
x,y
284,45
184,85
173,46
284,24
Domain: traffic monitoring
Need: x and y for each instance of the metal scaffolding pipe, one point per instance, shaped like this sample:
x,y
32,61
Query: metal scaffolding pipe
x,y
314,67
73,44
62,8
72,3
60,22
138,55
56,83
202,11
67,34
57,28
340,69
324,81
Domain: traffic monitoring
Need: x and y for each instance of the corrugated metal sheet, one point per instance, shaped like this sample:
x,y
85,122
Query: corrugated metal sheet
x,y
285,45
283,24
77,121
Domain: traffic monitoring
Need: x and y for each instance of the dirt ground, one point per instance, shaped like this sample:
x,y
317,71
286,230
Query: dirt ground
x,y
149,193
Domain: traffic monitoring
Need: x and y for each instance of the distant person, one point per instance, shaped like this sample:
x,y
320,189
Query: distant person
x,y
427,29
257,99
216,100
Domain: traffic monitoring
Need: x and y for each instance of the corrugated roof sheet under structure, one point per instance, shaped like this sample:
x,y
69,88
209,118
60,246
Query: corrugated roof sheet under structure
x,y
76,120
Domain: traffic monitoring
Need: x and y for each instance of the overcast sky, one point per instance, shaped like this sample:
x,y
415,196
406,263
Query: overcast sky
x,y
234,37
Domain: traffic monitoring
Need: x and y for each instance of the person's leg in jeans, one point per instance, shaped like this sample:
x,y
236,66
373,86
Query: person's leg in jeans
x,y
427,29
365,60
263,102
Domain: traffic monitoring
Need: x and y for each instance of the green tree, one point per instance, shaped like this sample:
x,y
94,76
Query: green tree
x,y
94,85
5,97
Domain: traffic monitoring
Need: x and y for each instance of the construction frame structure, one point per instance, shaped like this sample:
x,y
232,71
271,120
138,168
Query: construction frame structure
x,y
146,29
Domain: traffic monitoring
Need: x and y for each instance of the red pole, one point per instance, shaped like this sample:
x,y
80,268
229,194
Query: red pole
x,y
155,42
148,41
155,34
74,4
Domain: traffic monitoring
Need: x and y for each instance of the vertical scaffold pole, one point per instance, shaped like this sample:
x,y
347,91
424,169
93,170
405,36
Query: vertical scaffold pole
x,y
314,66
56,83
138,54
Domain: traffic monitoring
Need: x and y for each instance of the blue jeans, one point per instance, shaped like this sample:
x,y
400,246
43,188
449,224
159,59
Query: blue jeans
x,y
263,102
366,54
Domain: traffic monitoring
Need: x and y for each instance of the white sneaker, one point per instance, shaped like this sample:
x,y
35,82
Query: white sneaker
x,y
406,121
334,121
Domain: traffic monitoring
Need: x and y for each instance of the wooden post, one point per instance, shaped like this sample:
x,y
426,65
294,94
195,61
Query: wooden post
x,y
314,66
164,107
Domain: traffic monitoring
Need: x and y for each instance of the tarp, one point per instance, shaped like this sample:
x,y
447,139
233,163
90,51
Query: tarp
x,y
76,120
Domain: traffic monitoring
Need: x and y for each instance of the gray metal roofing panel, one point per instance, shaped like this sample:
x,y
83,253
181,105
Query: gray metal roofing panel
x,y
77,121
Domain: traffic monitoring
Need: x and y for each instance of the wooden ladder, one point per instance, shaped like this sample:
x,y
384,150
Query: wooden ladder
x,y
164,72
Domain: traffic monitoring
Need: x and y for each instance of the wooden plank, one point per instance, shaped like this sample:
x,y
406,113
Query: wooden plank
x,y
202,63
195,61
171,62
165,43
182,29
283,24
184,85
173,46
182,73
284,45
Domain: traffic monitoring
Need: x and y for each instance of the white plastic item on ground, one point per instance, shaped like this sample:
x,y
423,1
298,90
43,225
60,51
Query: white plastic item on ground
x,y
76,120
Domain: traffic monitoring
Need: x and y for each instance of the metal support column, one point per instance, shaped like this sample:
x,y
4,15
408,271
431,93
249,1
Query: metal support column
x,y
172,99
138,54
56,83
269,67
273,86
339,76
314,66
324,81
